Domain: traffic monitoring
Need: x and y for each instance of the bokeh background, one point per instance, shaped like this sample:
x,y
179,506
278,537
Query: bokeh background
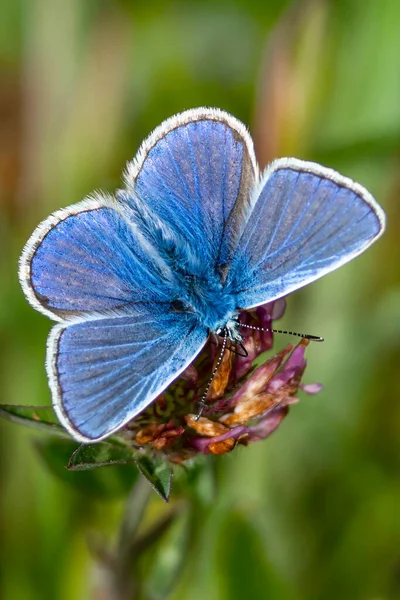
x,y
313,512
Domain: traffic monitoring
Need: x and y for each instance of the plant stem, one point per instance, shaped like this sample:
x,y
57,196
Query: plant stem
x,y
126,584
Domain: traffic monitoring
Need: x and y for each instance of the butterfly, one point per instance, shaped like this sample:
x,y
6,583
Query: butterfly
x,y
138,281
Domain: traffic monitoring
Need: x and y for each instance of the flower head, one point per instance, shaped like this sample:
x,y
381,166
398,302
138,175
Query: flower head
x,y
245,402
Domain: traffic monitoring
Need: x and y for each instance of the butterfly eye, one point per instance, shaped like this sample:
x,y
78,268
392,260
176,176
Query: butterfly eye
x,y
178,306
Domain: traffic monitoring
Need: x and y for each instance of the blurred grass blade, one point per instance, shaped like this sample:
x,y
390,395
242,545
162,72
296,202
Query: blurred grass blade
x,y
100,455
36,417
158,474
244,569
290,84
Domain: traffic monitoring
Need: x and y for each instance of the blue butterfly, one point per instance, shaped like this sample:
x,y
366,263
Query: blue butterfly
x,y
139,280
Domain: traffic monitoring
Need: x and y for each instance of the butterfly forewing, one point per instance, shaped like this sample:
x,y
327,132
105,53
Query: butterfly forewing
x,y
87,258
306,221
196,173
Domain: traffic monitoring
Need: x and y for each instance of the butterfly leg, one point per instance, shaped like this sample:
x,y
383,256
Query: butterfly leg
x,y
202,404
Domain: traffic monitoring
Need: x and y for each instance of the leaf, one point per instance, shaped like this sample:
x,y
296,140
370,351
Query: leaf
x,y
100,455
158,474
41,418
104,483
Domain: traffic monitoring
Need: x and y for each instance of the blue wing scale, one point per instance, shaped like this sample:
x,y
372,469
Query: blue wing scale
x,y
89,258
306,221
105,371
196,173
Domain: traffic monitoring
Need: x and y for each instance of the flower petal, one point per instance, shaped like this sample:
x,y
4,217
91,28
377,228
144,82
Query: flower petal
x,y
266,426
221,377
277,309
311,388
249,408
203,444
260,378
204,426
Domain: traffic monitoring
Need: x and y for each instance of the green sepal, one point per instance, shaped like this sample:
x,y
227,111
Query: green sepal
x,y
158,474
92,456
103,483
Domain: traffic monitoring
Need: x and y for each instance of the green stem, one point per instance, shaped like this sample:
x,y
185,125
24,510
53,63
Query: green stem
x,y
153,534
126,583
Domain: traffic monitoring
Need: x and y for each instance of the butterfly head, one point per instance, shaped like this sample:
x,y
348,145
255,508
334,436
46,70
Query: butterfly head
x,y
231,329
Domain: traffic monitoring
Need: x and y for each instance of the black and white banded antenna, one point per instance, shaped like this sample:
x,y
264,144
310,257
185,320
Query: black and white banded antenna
x,y
307,336
202,404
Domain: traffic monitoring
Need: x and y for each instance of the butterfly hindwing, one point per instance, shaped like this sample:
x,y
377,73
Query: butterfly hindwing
x,y
307,220
103,372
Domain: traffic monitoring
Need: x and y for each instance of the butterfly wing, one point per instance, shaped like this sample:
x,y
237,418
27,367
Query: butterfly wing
x,y
93,265
306,221
105,371
89,258
195,173
120,343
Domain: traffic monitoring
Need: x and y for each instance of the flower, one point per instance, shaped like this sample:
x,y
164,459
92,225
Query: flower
x,y
245,403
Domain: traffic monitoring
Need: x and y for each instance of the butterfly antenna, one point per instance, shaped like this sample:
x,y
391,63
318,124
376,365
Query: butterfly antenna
x,y
307,336
202,403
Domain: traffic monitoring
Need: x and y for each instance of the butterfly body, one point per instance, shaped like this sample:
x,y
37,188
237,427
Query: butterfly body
x,y
195,285
138,281
212,304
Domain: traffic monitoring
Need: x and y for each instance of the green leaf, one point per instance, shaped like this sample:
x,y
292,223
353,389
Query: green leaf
x,y
104,483
42,418
100,455
158,474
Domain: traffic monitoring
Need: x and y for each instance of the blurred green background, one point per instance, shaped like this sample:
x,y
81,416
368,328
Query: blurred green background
x,y
313,512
